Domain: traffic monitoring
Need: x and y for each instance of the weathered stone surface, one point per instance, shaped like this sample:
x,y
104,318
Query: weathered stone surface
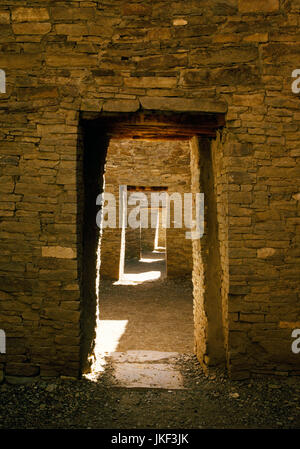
x,y
23,61
289,324
150,63
91,105
147,375
182,104
263,253
72,29
27,14
121,105
151,81
248,100
21,369
65,13
71,61
29,93
21,380
136,9
67,341
225,56
258,6
61,314
179,22
32,28
4,17
58,252
68,378
242,75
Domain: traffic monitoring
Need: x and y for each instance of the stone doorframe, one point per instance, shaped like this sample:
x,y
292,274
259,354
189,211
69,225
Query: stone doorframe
x,y
210,322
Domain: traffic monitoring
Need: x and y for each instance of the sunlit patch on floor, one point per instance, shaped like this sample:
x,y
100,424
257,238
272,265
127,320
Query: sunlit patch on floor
x,y
145,260
123,310
108,335
136,369
146,369
137,272
138,278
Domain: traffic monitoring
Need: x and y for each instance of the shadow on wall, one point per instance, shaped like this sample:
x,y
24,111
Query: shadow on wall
x,y
92,149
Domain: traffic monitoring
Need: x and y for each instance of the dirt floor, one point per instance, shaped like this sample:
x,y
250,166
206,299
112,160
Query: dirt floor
x,y
159,318
205,403
158,315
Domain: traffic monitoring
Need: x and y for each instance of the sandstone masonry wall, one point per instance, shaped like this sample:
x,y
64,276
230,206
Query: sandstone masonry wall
x,y
65,59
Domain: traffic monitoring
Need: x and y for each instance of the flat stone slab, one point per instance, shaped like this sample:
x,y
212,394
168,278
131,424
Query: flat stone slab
x,y
183,104
143,356
146,369
121,105
18,380
146,375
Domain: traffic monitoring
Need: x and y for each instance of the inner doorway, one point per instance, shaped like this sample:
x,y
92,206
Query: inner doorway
x,y
152,308
145,246
98,134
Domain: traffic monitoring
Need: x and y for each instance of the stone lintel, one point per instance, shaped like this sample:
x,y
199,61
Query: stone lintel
x,y
121,105
183,104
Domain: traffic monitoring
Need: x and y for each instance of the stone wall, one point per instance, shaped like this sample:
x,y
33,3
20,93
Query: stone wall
x,y
66,59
